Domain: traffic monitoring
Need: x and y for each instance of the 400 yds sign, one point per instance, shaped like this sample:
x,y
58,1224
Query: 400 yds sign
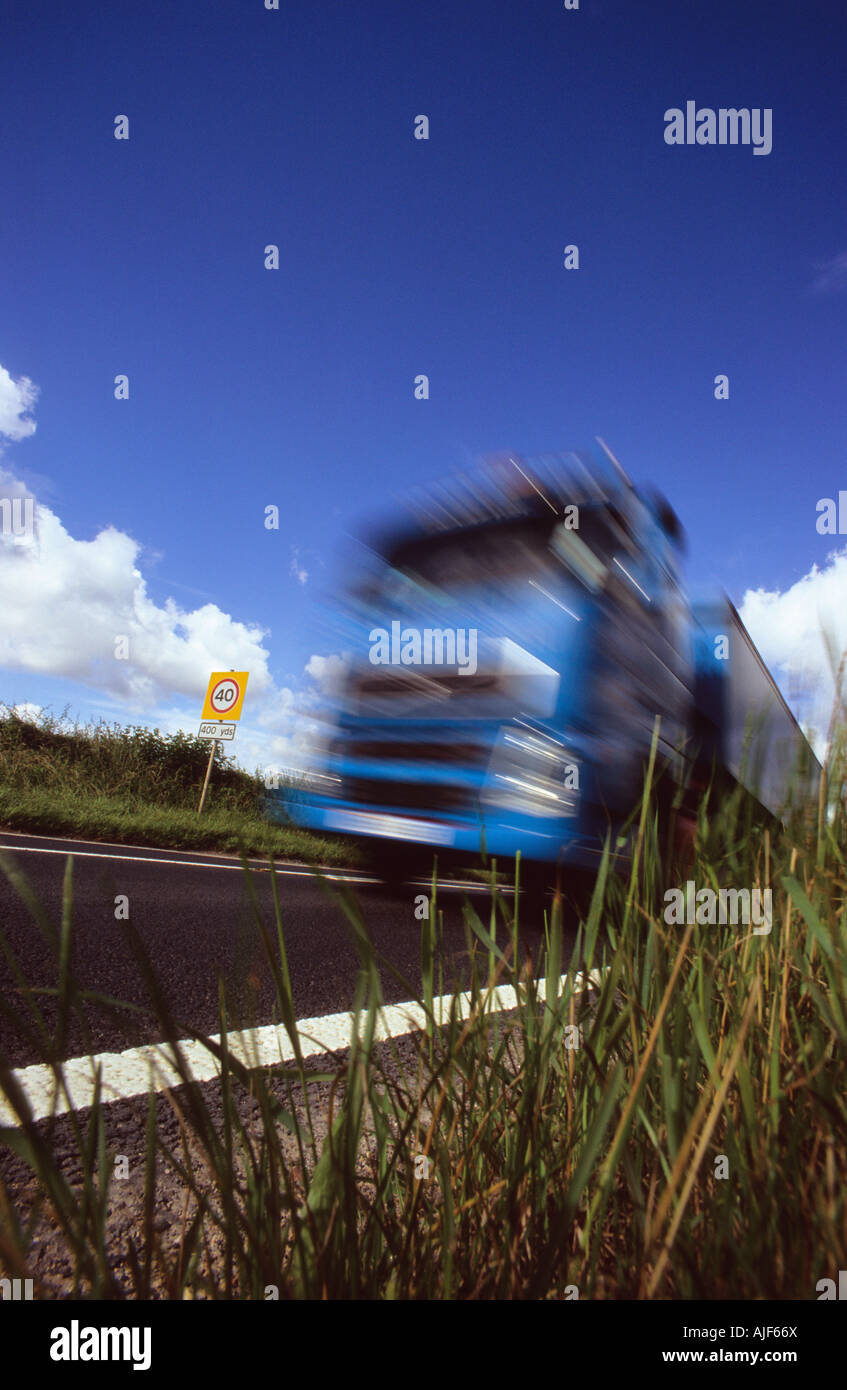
x,y
225,695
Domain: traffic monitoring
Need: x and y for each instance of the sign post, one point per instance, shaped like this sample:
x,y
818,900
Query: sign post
x,y
208,774
224,698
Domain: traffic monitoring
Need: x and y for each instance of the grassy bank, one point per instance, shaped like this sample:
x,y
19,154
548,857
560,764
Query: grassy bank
x,y
678,1131
137,786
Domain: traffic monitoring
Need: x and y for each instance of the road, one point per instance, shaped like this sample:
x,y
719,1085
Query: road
x,y
193,914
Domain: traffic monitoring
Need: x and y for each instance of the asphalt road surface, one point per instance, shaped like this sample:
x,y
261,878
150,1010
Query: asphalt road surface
x,y
193,914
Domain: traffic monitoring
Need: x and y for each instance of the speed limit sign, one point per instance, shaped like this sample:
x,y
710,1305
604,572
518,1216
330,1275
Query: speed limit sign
x,y
225,695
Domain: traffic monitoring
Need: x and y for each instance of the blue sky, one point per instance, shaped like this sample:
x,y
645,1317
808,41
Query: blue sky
x,y
398,256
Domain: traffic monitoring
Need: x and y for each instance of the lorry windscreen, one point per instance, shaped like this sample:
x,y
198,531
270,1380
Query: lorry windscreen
x,y
494,554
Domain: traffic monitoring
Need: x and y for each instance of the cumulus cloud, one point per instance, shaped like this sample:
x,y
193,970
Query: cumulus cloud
x,y
802,633
80,610
16,399
327,671
27,710
309,716
279,706
66,603
288,732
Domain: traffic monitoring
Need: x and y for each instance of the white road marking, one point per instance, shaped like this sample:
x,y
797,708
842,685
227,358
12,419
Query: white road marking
x,y
187,863
140,1069
335,875
118,844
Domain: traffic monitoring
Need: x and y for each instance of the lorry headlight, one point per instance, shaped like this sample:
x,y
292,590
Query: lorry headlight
x,y
532,773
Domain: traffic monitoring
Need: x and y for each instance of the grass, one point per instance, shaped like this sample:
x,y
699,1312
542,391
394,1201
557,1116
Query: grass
x,y
137,786
678,1131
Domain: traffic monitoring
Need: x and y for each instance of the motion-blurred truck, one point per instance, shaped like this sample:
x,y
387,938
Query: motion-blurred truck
x,y
508,654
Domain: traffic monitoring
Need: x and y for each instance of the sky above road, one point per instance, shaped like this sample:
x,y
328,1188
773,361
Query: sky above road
x,y
294,387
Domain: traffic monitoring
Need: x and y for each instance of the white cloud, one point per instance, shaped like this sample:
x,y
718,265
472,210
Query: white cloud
x,y
793,629
27,710
287,732
327,671
65,602
16,398
278,707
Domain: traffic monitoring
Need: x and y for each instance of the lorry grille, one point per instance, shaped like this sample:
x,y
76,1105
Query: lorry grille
x,y
417,796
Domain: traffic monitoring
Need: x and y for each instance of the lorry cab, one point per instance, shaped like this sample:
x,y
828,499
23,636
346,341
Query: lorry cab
x,y
571,602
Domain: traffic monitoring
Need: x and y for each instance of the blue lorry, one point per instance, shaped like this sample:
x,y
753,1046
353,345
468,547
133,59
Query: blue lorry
x,y
508,654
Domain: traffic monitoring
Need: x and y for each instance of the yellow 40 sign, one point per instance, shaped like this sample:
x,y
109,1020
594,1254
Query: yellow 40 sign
x,y
225,695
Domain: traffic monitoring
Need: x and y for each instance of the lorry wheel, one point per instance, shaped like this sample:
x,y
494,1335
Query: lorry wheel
x,y
396,867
